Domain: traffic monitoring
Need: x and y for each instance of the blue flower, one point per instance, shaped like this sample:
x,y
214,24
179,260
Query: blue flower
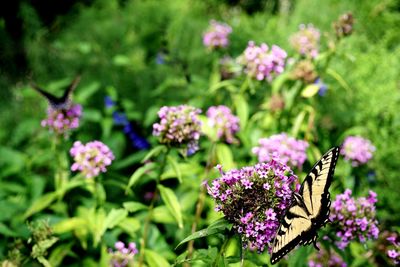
x,y
322,87
108,102
120,118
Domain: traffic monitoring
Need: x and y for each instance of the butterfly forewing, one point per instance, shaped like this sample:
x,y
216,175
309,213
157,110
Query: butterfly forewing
x,y
309,212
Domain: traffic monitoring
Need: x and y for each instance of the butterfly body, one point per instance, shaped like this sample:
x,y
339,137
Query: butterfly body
x,y
309,210
59,103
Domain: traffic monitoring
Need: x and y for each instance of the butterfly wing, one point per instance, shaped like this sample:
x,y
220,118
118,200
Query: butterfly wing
x,y
314,190
58,102
309,211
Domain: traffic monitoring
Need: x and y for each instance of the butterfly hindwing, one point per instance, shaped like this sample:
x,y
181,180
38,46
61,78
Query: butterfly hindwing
x,y
309,209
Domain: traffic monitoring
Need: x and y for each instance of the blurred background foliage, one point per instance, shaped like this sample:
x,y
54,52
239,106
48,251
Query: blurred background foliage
x,y
151,54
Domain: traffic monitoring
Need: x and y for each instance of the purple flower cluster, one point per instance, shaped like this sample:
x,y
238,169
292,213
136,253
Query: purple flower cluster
x,y
283,148
225,123
62,120
216,35
253,199
263,63
123,256
324,258
357,149
394,251
91,159
354,218
306,40
179,126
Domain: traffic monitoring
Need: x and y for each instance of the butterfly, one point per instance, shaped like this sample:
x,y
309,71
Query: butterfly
x,y
309,210
59,103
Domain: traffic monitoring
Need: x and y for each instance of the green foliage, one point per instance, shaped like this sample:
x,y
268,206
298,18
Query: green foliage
x,y
149,54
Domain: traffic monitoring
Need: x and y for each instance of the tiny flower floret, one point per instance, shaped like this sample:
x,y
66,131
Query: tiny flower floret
x,y
217,35
179,126
263,63
253,207
358,150
354,218
123,256
91,159
281,147
225,123
61,121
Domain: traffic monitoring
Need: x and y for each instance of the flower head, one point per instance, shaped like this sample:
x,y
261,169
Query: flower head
x,y
306,40
326,258
283,148
216,35
253,199
357,150
304,70
344,26
179,126
123,256
225,123
61,121
263,63
354,218
91,159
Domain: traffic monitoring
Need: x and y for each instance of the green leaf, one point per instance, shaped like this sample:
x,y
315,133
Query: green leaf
x,y
6,231
175,167
133,206
154,152
41,203
172,203
130,225
310,90
154,259
84,93
242,109
69,225
278,82
219,226
58,253
338,78
138,174
225,157
115,217
161,214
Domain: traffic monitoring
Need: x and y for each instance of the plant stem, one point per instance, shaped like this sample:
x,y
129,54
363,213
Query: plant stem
x,y
222,250
200,201
150,212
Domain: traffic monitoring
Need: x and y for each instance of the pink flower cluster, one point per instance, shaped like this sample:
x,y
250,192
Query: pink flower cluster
x,y
61,120
283,148
263,63
123,256
394,252
306,40
179,126
354,218
216,35
225,123
91,159
357,150
253,199
324,258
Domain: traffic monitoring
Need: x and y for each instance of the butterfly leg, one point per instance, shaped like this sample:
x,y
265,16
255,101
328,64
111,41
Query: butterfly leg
x,y
314,240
